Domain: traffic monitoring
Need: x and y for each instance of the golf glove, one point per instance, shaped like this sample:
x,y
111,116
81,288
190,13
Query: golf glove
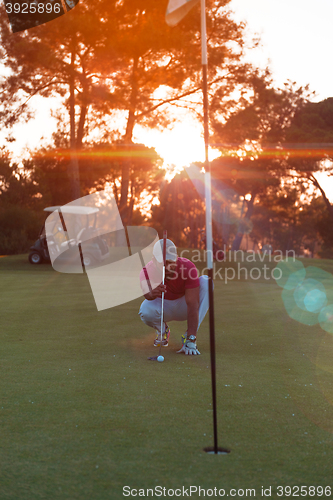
x,y
189,346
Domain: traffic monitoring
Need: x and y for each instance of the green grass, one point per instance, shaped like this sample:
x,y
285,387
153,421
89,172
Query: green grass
x,y
83,413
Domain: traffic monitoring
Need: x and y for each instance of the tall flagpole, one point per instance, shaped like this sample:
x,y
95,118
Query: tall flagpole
x,y
176,10
209,231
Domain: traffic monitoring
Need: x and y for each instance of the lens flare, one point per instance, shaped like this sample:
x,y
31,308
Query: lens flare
x,y
310,296
290,273
302,315
326,318
307,293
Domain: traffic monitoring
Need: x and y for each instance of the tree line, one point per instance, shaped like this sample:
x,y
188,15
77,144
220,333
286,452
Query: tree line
x,y
105,66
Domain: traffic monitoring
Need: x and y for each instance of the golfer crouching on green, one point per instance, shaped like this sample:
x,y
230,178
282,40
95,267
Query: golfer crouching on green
x,y
185,296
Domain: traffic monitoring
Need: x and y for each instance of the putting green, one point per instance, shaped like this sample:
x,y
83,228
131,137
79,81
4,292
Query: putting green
x,y
84,414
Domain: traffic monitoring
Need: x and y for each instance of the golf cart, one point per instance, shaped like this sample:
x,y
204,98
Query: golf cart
x,y
82,227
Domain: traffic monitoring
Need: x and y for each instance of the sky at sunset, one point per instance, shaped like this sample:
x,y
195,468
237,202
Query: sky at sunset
x,y
297,39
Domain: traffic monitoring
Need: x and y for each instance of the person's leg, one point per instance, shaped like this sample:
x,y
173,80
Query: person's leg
x,y
150,313
176,310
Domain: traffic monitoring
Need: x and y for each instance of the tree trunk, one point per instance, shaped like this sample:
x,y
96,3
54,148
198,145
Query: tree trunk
x,y
237,241
131,205
73,166
239,236
124,208
80,128
326,200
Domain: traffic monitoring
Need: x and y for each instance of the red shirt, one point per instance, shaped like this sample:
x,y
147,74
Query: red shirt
x,y
185,276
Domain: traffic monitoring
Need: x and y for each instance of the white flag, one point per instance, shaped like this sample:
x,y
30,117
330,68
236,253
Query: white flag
x,y
177,9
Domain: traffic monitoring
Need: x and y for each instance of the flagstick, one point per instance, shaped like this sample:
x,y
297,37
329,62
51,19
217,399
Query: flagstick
x,y
209,232
176,10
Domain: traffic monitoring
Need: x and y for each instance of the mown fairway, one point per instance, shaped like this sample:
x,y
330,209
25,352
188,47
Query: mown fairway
x,y
83,413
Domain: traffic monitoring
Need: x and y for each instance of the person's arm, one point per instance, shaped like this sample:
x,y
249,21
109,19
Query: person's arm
x,y
192,302
156,292
151,292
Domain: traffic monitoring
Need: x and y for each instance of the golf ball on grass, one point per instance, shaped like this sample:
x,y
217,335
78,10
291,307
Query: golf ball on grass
x,y
160,359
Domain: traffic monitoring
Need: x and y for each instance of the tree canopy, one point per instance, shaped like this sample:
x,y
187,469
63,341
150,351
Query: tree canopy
x,y
268,142
112,59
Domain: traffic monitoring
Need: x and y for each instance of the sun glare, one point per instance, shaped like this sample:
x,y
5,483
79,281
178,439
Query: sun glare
x,y
179,147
